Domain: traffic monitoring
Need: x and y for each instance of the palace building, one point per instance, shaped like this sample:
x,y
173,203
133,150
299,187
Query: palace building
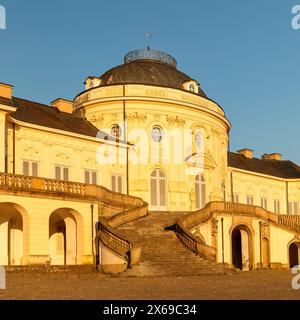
x,y
140,142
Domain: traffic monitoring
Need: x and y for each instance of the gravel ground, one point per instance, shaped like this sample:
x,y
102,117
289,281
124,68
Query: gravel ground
x,y
87,284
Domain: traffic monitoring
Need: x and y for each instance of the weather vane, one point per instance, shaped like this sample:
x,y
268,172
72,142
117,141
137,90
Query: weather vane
x,y
149,38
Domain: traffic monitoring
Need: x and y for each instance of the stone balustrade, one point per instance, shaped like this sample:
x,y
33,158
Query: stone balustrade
x,y
131,208
186,223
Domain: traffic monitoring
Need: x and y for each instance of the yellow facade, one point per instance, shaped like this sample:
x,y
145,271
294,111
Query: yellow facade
x,y
40,225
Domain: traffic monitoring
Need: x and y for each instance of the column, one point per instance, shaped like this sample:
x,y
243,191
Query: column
x,y
4,243
2,141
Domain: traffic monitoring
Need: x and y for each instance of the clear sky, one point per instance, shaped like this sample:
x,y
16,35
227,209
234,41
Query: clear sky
x,y
245,55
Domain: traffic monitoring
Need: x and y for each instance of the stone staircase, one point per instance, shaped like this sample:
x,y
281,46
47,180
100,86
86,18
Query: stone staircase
x,y
162,252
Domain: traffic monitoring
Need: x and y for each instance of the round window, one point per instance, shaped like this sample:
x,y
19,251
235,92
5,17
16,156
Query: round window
x,y
156,133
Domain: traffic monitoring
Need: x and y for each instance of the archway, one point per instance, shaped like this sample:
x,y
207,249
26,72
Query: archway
x,y
158,184
294,254
240,239
65,242
12,247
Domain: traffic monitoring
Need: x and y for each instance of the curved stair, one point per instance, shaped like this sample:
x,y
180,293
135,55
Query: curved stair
x,y
162,252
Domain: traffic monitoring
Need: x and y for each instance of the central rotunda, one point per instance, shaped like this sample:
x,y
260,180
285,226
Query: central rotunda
x,y
177,136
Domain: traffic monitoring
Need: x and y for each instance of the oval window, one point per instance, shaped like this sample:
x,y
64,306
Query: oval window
x,y
156,133
116,131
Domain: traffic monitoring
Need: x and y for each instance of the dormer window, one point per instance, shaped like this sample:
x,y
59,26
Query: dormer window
x,y
92,82
191,87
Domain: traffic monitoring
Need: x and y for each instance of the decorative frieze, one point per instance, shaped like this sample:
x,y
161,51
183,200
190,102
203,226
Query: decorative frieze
x,y
115,117
31,153
155,92
156,117
62,157
96,120
135,116
175,121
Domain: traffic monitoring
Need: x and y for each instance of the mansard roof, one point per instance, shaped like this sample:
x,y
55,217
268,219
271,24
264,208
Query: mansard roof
x,y
50,117
278,168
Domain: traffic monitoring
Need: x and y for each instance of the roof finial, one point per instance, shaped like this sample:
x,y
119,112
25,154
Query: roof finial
x,y
149,37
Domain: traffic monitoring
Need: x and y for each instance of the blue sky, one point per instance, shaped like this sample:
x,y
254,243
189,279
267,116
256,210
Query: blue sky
x,y
244,54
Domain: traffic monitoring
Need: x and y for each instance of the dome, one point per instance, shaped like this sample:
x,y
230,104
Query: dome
x,y
148,67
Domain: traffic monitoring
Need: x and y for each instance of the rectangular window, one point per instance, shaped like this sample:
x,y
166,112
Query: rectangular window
x,y
30,168
61,173
90,177
293,207
264,203
235,198
250,200
116,183
277,206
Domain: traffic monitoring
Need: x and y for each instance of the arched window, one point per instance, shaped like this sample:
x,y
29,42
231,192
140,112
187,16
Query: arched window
x,y
115,131
158,183
200,189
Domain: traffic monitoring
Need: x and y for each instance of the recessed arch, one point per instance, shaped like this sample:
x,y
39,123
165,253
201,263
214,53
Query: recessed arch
x,y
241,247
293,253
14,234
66,238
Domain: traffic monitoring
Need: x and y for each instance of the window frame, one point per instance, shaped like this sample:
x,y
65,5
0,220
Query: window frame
x,y
277,206
236,198
118,180
62,172
294,205
90,172
250,197
30,167
264,202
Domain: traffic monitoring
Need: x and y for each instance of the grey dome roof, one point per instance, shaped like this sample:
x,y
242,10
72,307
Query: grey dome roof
x,y
148,70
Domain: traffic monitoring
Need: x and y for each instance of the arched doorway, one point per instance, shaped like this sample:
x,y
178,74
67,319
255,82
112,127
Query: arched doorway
x,y
200,190
64,239
11,234
265,253
158,185
241,248
294,254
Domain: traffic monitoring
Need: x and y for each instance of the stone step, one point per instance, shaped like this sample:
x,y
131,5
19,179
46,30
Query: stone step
x,y
163,254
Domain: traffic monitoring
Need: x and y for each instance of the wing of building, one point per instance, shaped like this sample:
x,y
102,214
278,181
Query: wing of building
x,y
141,137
